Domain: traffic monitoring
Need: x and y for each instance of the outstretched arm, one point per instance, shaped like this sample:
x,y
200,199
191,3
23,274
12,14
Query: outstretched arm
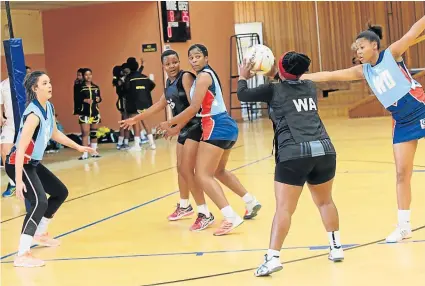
x,y
353,73
398,48
157,107
262,93
61,138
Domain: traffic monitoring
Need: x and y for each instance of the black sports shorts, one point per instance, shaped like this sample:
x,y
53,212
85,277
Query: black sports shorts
x,y
223,144
194,132
313,170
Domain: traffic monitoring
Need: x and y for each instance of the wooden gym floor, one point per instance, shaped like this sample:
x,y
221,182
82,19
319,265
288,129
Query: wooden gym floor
x,y
114,230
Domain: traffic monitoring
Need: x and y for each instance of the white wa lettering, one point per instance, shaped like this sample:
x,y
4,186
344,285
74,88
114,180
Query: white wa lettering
x,y
304,104
383,82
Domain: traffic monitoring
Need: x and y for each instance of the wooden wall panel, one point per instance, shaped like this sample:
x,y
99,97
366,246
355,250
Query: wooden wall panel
x,y
292,25
340,23
286,26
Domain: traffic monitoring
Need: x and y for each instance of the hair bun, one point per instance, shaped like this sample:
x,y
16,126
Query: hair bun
x,y
376,29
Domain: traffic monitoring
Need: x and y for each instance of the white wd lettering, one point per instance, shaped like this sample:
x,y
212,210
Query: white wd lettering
x,y
383,82
305,104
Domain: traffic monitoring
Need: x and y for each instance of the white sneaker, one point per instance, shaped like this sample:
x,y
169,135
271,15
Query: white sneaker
x,y
153,146
269,266
336,254
135,148
400,233
251,209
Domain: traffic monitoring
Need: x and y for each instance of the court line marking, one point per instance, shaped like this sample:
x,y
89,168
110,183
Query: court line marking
x,y
135,207
201,253
250,269
110,187
196,253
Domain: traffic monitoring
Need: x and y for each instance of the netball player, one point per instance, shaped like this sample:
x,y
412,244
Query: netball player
x,y
219,134
177,97
304,153
88,99
32,179
400,94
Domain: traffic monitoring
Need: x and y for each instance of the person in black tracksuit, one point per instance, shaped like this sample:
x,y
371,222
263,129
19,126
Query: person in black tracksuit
x,y
303,152
77,87
118,83
138,88
87,99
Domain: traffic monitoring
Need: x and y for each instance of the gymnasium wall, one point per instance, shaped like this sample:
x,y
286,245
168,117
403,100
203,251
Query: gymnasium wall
x,y
215,35
293,25
101,36
27,24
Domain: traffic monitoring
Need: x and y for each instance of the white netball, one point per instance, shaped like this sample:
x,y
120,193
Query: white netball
x,y
262,57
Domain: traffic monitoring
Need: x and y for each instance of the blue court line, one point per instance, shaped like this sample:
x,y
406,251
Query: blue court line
x,y
196,253
131,209
201,253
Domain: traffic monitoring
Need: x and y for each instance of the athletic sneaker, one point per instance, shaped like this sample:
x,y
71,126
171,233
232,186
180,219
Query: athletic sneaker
x,y
180,213
251,209
97,155
269,266
46,240
10,191
202,222
400,233
336,254
27,260
135,149
228,225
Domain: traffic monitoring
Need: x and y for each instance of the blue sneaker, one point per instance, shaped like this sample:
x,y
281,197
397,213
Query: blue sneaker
x,y
10,191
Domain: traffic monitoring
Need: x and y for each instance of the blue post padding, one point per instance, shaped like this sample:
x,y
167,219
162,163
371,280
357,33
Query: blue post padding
x,y
15,60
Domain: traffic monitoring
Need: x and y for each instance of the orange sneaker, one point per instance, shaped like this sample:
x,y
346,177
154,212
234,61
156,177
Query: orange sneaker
x,y
27,260
227,226
45,240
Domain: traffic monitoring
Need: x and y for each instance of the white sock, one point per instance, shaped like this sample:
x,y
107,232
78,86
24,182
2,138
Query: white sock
x,y
403,217
126,141
273,253
94,146
248,198
228,212
184,203
25,242
151,141
203,209
137,141
11,183
42,226
120,140
85,155
334,239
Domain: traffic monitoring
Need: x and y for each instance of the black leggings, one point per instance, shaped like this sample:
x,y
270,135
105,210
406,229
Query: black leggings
x,y
38,181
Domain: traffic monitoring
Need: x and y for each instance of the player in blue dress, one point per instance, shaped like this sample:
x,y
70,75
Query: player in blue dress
x,y
32,179
400,94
